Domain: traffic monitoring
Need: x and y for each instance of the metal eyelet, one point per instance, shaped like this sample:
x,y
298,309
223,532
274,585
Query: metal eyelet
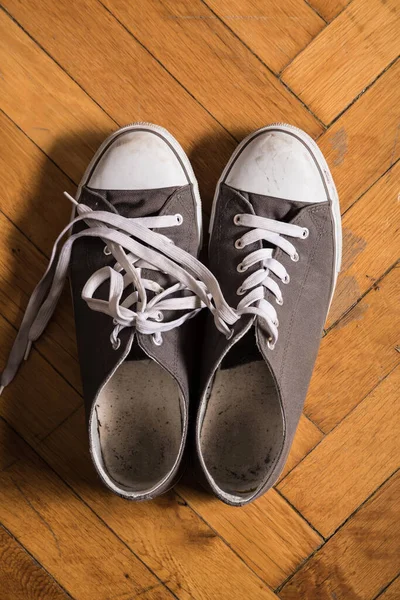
x,y
286,279
295,257
276,323
179,219
240,291
236,219
239,244
159,316
157,339
270,345
241,268
106,251
117,344
306,233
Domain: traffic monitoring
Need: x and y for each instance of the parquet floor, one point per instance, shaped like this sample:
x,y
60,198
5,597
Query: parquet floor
x,y
211,71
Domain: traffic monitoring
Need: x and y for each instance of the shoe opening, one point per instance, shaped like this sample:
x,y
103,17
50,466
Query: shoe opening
x,y
137,428
242,431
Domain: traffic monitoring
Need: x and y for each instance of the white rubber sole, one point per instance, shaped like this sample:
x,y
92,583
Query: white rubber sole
x,y
164,133
326,174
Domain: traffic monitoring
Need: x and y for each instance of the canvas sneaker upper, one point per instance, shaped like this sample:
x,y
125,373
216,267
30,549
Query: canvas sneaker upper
x,y
275,249
136,285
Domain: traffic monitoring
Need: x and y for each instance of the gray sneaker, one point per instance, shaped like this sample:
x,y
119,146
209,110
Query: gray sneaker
x,y
136,284
275,248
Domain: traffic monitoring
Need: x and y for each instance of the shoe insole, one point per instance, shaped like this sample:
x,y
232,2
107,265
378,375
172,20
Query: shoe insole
x,y
242,429
139,424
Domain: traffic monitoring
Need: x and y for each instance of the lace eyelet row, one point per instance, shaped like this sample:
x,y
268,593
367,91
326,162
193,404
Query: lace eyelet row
x,y
241,269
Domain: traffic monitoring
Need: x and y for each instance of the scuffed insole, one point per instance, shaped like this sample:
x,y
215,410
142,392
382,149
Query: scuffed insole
x,y
139,424
242,428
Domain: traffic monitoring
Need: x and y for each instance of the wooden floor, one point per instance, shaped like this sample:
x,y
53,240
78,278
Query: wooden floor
x,y
72,71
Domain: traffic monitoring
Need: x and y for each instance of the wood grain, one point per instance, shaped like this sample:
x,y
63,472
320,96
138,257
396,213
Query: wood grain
x,y
234,85
12,446
360,559
133,86
47,104
392,592
372,219
158,592
307,437
20,270
276,32
70,73
65,536
358,456
363,345
33,200
21,578
66,122
364,142
329,9
166,533
32,188
268,535
324,78
38,399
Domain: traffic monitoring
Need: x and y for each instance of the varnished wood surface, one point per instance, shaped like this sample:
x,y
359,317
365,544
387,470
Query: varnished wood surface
x,y
210,71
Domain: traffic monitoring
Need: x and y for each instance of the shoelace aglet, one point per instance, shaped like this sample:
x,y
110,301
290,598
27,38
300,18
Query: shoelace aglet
x,y
1,389
70,198
28,350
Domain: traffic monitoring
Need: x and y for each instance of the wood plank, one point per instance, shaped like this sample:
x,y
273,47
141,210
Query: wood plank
x,y
208,59
21,578
324,77
65,536
159,592
173,541
117,72
69,126
38,399
47,104
363,346
32,188
357,562
275,32
12,446
329,9
32,198
392,592
365,258
365,141
21,267
307,437
350,462
268,534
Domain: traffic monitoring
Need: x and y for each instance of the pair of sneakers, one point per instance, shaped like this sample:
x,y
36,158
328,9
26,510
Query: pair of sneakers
x,y
274,256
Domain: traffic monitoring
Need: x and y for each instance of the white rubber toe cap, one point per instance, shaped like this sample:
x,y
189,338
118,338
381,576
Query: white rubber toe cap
x,y
138,159
278,164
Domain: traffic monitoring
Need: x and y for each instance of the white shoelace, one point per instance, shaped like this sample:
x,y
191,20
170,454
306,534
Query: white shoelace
x,y
134,247
271,231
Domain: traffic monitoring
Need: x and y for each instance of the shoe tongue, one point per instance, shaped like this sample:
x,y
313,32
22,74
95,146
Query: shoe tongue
x,y
133,204
278,209
128,203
